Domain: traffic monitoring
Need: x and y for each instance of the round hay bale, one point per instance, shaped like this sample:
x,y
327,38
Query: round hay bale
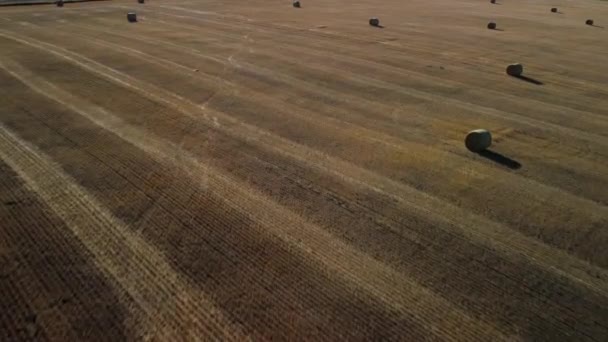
x,y
60,3
374,21
515,69
493,1
132,17
296,4
141,1
492,25
589,22
478,140
554,10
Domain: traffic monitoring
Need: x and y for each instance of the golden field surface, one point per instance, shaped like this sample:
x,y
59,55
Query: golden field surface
x,y
247,170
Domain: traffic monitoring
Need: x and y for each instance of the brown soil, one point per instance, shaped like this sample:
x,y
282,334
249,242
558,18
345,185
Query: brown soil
x,y
232,170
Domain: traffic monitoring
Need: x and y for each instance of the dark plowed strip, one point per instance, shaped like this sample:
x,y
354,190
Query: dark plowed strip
x,y
49,286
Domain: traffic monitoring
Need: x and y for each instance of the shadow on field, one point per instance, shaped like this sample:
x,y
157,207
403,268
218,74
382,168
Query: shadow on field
x,y
529,80
500,159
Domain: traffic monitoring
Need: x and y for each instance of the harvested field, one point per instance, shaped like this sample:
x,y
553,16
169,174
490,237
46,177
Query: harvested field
x,y
247,170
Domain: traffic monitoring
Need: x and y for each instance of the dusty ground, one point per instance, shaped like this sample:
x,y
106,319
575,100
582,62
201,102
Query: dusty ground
x,y
244,169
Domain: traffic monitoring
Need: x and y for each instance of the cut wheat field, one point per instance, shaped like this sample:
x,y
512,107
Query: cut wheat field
x,y
248,170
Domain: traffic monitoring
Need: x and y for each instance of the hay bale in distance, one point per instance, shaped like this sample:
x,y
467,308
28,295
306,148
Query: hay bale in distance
x,y
589,22
492,25
478,140
493,1
141,1
296,4
554,10
59,3
515,69
374,21
132,17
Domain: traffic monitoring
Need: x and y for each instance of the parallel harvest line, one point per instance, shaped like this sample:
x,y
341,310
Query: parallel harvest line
x,y
310,116
480,229
88,110
314,119
548,108
335,37
391,288
301,48
131,134
364,81
377,107
240,20
123,255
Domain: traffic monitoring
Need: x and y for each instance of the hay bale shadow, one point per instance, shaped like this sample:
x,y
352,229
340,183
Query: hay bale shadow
x,y
528,79
589,22
500,159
